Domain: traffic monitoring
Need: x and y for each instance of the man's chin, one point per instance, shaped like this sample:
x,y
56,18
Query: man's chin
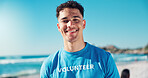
x,y
72,40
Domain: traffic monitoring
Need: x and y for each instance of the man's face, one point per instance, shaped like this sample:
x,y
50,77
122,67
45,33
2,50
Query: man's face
x,y
71,24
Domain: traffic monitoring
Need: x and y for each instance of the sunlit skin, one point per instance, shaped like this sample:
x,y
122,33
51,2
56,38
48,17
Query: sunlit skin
x,y
71,25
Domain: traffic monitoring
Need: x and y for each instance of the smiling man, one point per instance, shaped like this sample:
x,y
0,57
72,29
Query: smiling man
x,y
71,25
78,59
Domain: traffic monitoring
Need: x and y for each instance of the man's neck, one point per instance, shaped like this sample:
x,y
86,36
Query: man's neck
x,y
74,46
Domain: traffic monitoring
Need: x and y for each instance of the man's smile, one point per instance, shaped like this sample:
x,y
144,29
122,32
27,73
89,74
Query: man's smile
x,y
71,31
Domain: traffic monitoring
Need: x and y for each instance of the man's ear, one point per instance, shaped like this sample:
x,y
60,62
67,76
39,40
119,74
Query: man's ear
x,y
58,26
84,24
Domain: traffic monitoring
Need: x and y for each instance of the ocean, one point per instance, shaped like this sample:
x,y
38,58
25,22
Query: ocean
x,y
26,65
11,66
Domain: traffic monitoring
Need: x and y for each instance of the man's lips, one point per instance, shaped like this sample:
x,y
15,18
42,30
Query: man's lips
x,y
71,31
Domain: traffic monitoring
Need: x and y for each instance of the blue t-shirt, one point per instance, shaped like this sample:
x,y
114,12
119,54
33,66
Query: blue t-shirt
x,y
90,62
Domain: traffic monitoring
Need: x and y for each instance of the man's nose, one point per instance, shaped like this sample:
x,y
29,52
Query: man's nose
x,y
69,23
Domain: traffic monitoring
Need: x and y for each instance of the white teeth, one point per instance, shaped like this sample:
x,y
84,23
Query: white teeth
x,y
72,31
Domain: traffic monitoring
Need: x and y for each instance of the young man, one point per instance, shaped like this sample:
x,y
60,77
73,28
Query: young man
x,y
78,59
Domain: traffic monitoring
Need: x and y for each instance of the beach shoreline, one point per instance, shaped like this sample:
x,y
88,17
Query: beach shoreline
x,y
30,76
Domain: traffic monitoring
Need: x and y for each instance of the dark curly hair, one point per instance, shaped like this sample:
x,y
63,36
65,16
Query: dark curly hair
x,y
125,73
70,4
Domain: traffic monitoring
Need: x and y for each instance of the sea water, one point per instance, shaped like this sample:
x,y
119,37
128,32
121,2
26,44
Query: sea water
x,y
121,59
20,65
26,65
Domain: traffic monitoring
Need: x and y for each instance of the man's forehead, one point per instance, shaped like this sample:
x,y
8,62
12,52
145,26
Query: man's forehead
x,y
72,17
69,12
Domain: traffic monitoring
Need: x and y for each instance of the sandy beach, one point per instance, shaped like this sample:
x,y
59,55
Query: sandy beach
x,y
137,70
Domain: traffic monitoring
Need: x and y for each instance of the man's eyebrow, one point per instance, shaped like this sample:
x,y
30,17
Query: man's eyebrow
x,y
73,17
64,18
76,16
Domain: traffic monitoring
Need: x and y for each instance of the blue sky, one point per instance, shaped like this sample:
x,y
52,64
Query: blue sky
x,y
28,27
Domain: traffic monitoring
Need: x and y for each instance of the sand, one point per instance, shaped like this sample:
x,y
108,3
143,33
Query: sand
x,y
137,70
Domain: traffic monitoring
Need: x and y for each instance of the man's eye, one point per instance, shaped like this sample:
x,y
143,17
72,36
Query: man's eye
x,y
65,21
75,20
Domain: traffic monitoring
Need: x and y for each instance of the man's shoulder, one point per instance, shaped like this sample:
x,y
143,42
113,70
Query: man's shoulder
x,y
51,58
99,50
